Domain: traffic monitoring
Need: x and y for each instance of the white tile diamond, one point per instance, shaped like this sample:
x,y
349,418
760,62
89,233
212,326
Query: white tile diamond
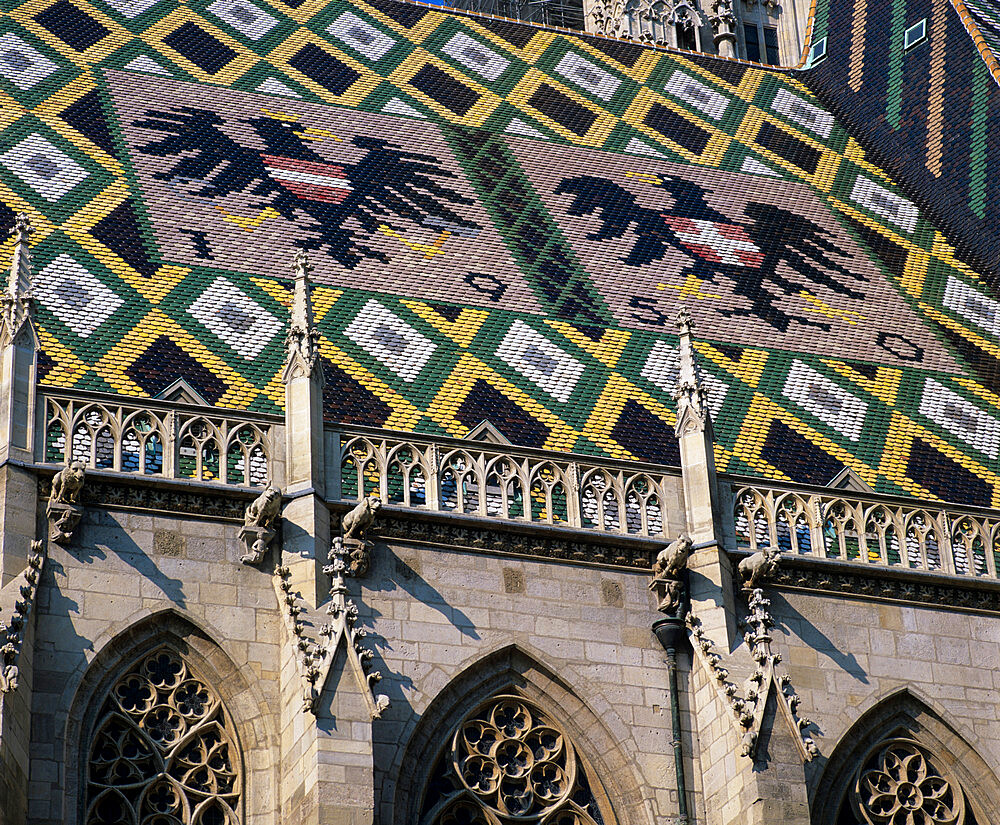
x,y
755,167
387,337
131,8
74,296
145,64
244,16
638,147
361,36
883,202
236,318
805,114
972,304
474,55
44,168
704,98
588,75
273,86
663,365
21,64
961,418
540,361
401,107
519,127
829,402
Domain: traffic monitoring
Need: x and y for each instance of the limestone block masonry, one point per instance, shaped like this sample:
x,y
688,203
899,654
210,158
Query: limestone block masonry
x,y
397,652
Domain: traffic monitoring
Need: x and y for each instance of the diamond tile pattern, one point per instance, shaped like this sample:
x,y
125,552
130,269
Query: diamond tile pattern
x,y
504,220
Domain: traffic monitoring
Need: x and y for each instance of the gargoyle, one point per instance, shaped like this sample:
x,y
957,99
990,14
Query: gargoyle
x,y
258,524
67,483
670,564
355,524
758,567
64,509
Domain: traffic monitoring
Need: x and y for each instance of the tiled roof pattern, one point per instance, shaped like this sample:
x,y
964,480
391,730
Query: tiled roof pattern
x,y
504,220
923,114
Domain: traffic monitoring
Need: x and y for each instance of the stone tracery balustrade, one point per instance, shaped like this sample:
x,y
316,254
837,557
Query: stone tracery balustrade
x,y
875,530
155,439
506,483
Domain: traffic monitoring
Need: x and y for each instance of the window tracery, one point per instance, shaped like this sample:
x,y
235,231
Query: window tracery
x,y
163,752
508,762
898,783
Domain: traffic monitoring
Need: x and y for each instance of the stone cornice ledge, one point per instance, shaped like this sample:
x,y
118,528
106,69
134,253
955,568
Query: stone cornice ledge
x,y
893,584
542,542
154,494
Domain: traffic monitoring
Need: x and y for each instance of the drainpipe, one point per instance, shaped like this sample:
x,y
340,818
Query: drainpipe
x,y
671,634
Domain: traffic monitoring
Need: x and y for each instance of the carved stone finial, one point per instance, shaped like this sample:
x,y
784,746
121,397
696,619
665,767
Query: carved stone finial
x,y
64,509
689,392
668,575
17,295
354,526
259,524
755,569
303,338
607,17
723,20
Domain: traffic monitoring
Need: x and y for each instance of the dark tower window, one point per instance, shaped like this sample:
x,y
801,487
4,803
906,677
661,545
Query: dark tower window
x,y
751,37
686,38
771,45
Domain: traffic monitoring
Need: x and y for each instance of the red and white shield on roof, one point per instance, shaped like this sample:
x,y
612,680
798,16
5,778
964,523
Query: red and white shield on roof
x,y
720,243
313,181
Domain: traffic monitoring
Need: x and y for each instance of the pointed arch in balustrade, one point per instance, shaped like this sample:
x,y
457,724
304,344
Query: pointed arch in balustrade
x,y
547,488
506,485
407,476
460,483
200,450
142,444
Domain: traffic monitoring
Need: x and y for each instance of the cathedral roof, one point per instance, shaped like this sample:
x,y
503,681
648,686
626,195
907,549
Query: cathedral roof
x,y
504,220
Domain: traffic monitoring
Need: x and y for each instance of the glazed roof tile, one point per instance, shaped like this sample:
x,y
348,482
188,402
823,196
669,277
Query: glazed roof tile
x,y
504,220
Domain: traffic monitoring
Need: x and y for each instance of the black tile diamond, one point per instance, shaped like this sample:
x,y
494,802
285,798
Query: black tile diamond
x,y
487,402
646,436
198,46
324,69
86,115
945,478
563,110
121,232
797,457
163,362
678,129
446,90
74,27
406,14
790,148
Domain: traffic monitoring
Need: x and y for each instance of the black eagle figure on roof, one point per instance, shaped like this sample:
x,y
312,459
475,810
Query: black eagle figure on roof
x,y
760,257
387,188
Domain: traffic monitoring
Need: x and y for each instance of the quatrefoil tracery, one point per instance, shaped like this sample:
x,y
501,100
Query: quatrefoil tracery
x,y
898,784
162,753
509,763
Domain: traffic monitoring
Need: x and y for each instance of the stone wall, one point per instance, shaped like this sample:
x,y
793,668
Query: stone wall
x,y
129,582
451,628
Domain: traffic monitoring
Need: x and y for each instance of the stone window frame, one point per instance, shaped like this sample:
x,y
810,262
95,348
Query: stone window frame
x,y
509,760
609,761
905,716
183,740
254,715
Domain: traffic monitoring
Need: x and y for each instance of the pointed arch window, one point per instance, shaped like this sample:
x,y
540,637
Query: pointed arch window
x,y
509,762
899,782
162,751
